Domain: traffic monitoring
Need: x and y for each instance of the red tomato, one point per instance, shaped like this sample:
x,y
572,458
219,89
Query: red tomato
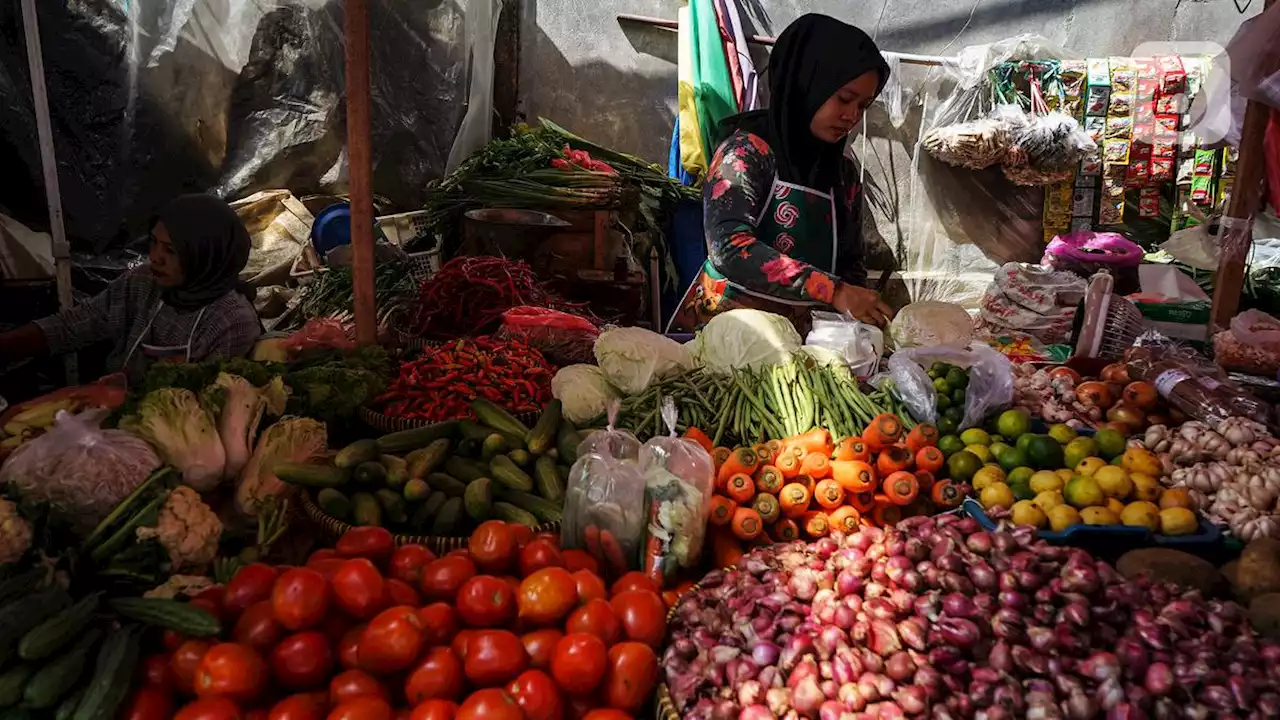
x,y
461,642
634,580
643,616
630,676
578,664
391,642
491,704
210,708
523,534
250,585
434,710
590,586
607,714
541,645
256,714
577,708
407,563
357,588
493,547
300,598
494,658
442,578
439,623
303,706
374,543
576,560
439,676
335,626
171,639
349,648
354,683
365,707
321,554
486,601
596,618
539,554
258,627
537,695
156,672
547,596
459,552
232,671
328,567
399,592
302,661
215,595
149,702
184,661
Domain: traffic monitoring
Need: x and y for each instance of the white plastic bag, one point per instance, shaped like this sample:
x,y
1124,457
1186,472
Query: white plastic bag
x,y
604,504
679,476
931,324
858,344
990,381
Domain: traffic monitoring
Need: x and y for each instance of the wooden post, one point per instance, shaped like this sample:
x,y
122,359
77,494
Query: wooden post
x,y
506,69
360,170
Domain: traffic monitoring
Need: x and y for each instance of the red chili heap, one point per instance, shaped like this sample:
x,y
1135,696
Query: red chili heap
x,y
442,382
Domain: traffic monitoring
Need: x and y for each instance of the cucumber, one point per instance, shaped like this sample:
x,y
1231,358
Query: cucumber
x,y
548,479
511,513
56,632
370,473
447,484
472,430
543,435
427,460
311,474
498,419
360,451
521,457
468,448
504,471
449,519
334,503
20,585
397,470
168,614
126,533
416,490
567,441
426,512
67,707
365,510
12,681
492,445
465,470
55,679
405,440
19,616
393,507
113,671
546,511
478,499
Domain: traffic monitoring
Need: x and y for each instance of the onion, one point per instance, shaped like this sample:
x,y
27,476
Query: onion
x,y
756,712
778,700
912,631
957,631
958,606
899,666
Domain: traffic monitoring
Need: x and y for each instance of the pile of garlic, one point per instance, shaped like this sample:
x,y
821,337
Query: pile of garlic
x,y
1049,397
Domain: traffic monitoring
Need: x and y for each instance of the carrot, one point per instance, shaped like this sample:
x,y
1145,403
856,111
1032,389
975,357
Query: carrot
x,y
786,530
767,506
925,480
930,459
794,500
775,447
806,481
816,440
885,513
614,558
761,540
742,460
815,524
721,509
747,524
863,502
854,475
829,494
947,494
764,453
921,436
884,431
699,437
719,455
726,551
894,459
769,479
851,448
740,488
844,518
653,560
788,464
901,488
816,466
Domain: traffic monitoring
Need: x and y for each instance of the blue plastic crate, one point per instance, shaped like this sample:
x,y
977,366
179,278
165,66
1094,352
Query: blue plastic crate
x,y
1113,537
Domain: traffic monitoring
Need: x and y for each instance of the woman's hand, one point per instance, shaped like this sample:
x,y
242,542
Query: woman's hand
x,y
862,303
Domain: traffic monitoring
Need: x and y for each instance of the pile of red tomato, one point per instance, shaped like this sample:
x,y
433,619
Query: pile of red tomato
x,y
509,628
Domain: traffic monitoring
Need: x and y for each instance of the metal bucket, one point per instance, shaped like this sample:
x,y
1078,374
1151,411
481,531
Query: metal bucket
x,y
509,232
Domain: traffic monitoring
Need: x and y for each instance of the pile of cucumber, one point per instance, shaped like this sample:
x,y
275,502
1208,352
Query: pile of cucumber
x,y
444,479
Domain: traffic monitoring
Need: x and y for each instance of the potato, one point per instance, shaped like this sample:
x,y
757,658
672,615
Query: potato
x,y
1259,569
1175,566
1229,573
1264,615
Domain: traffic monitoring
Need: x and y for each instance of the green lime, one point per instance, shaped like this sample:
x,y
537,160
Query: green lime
x,y
955,413
1077,450
934,374
1021,491
1014,458
998,438
944,401
957,378
950,445
1062,433
947,426
958,396
1118,460
1024,441
975,436
998,449
1045,453
963,466
941,386
939,369
1020,476
1014,423
1110,443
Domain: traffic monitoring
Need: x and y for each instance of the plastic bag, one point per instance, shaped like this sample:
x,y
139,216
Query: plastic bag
x,y
320,334
564,339
604,504
679,476
1188,383
931,324
1251,346
990,381
858,344
1033,300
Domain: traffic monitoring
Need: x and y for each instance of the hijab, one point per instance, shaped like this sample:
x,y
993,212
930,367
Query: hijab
x,y
813,58
212,246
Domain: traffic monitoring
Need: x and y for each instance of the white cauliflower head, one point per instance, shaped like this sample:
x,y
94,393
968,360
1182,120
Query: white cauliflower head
x,y
187,528
15,533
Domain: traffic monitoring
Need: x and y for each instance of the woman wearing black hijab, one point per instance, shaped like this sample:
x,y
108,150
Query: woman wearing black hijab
x,y
186,305
780,204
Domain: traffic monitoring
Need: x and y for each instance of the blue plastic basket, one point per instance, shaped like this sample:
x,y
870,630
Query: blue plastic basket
x,y
1116,538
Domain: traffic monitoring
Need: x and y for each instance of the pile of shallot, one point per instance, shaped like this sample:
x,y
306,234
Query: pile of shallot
x,y
1231,469
938,618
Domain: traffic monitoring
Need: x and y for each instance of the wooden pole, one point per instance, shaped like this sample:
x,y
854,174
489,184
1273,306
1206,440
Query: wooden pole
x,y
360,170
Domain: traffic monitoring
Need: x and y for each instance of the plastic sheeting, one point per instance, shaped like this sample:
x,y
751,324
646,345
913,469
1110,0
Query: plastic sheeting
x,y
152,97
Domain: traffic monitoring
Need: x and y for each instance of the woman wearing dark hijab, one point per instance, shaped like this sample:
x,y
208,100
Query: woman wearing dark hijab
x,y
781,203
186,305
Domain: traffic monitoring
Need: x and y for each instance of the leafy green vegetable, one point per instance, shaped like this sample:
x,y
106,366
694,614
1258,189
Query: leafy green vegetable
x,y
183,434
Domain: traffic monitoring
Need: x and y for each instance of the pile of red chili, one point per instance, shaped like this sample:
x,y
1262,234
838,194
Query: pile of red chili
x,y
442,382
469,294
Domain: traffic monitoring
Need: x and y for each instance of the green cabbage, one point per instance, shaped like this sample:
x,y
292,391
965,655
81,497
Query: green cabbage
x,y
183,434
291,439
745,339
631,358
240,407
583,391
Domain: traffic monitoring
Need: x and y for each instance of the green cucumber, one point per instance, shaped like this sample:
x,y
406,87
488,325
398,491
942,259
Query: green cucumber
x,y
334,503
447,484
313,475
56,632
405,440
543,435
360,451
19,616
12,681
498,419
397,470
169,614
426,512
67,707
55,680
521,457
464,469
424,461
393,506
112,675
478,499
472,430
21,584
567,441
365,510
370,473
504,471
548,479
449,520
492,445
513,514
545,510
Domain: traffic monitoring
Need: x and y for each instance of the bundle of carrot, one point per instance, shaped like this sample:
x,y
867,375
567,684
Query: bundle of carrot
x,y
807,486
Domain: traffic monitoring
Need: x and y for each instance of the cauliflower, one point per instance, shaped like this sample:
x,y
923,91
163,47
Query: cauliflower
x,y
15,533
187,528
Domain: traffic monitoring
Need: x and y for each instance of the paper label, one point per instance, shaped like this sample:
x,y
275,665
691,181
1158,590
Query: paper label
x,y
1166,380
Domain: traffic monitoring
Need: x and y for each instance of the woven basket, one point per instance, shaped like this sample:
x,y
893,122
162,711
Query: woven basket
x,y
409,341
664,706
388,424
333,528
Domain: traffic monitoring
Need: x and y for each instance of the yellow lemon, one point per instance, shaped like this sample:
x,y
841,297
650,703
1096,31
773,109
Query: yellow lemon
x,y
988,475
1115,506
996,495
1066,474
1062,433
1045,480
1141,514
1077,450
1178,521
1176,498
1142,460
1062,517
1114,481
1145,487
1090,465
975,436
1026,512
1048,500
982,451
1098,516
1083,492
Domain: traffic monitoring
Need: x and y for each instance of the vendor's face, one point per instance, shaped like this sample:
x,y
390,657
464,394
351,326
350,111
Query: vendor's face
x,y
842,112
165,267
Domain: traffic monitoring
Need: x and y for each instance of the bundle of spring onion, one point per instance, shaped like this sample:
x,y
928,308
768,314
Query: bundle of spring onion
x,y
330,295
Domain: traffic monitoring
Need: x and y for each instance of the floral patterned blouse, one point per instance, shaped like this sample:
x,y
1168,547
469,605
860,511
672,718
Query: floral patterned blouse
x,y
735,196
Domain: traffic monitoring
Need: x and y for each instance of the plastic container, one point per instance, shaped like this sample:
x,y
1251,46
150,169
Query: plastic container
x,y
332,228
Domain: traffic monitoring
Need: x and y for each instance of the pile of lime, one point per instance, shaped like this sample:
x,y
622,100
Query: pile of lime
x,y
950,387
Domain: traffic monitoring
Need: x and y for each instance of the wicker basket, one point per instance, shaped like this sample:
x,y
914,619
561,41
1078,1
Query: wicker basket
x,y
387,424
664,706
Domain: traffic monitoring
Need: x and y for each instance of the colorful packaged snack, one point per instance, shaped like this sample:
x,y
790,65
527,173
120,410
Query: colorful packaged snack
x,y
1148,202
1116,152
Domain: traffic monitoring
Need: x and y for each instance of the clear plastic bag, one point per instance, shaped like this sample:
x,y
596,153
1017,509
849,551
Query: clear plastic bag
x,y
1251,346
858,344
604,505
990,381
679,475
320,334
563,338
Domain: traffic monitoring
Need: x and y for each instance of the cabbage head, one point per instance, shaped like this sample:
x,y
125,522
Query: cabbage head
x,y
184,435
239,407
745,338
584,392
290,439
632,358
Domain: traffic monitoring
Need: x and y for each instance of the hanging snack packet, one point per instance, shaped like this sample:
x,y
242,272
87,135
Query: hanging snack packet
x,y
603,503
679,476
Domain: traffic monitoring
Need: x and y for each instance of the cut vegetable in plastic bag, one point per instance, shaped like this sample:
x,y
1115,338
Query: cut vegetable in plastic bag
x,y
679,476
604,503
987,385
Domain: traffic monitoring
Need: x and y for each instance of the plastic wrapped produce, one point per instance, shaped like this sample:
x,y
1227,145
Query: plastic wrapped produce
x,y
1251,345
990,381
679,476
604,505
1196,389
